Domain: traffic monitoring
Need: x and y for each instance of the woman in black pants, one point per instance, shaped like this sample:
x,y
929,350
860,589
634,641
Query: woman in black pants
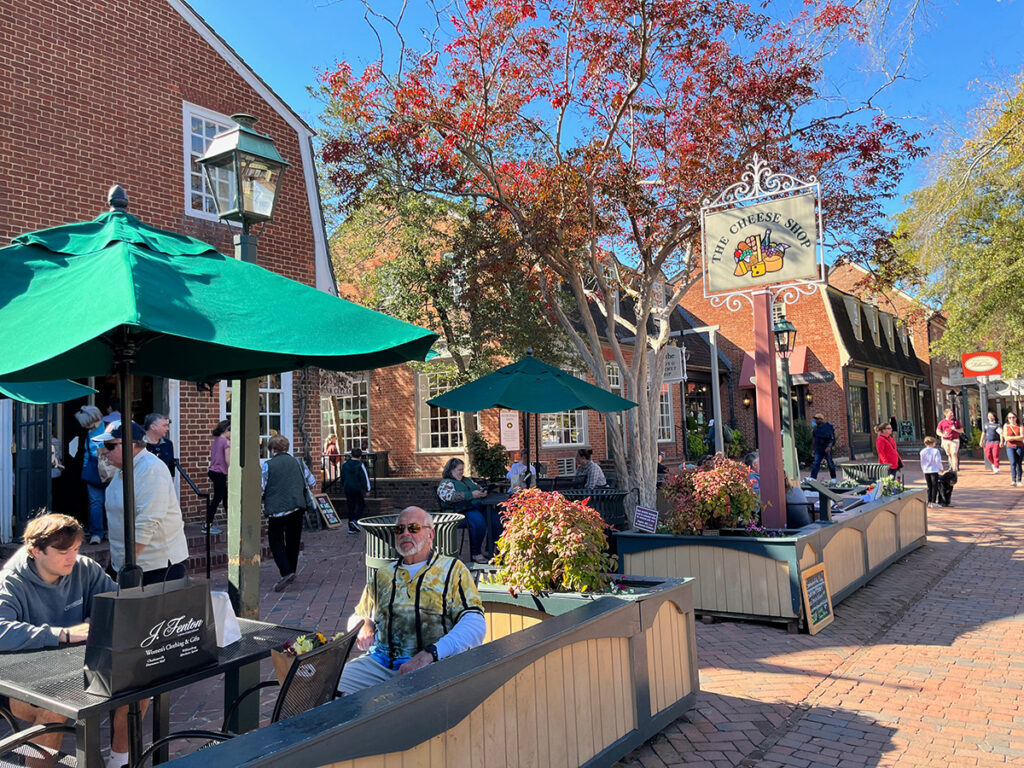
x,y
220,458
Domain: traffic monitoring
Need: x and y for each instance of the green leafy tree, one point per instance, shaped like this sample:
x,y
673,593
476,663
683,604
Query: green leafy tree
x,y
961,239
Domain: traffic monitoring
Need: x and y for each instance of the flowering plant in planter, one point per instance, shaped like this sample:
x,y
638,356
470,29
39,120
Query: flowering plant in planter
x,y
717,494
552,544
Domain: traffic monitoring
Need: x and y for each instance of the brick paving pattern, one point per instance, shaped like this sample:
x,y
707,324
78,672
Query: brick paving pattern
x,y
920,668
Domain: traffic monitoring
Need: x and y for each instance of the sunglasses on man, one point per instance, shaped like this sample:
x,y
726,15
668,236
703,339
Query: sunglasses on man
x,y
413,528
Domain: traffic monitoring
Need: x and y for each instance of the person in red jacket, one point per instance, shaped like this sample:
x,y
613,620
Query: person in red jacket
x,y
886,447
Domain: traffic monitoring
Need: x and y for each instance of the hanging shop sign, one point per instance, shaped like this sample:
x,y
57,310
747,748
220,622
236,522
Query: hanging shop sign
x,y
982,363
752,246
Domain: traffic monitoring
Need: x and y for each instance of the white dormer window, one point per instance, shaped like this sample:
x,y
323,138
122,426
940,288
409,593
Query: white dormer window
x,y
871,315
853,312
890,337
904,340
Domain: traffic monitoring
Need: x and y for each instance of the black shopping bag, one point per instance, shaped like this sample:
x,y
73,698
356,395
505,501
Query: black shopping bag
x,y
144,635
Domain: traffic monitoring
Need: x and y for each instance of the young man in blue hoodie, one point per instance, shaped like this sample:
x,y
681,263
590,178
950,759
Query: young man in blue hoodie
x,y
46,592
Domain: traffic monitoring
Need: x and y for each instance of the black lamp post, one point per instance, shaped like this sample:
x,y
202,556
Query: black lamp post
x,y
785,341
244,171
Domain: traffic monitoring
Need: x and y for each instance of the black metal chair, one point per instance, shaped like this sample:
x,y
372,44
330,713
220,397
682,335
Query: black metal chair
x,y
19,741
312,680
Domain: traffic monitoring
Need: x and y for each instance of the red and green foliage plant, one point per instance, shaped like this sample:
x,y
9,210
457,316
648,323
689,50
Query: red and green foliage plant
x,y
552,544
717,494
593,131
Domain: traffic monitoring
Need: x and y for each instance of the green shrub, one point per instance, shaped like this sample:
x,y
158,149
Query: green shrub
x,y
490,461
804,442
716,494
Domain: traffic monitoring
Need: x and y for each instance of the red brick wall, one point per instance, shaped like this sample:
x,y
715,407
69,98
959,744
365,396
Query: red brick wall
x,y
92,96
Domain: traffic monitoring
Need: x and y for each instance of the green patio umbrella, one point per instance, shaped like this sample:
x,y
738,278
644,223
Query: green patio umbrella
x,y
530,386
117,296
43,392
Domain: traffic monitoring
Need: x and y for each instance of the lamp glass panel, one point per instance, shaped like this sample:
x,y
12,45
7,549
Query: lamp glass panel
x,y
220,180
259,185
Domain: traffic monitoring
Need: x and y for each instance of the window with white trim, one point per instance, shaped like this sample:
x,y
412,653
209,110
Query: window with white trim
x,y
887,328
275,405
903,339
563,429
353,426
439,428
871,315
778,312
611,370
200,126
665,415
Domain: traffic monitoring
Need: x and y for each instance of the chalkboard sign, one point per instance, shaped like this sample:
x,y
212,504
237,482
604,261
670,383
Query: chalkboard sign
x,y
817,600
906,430
323,504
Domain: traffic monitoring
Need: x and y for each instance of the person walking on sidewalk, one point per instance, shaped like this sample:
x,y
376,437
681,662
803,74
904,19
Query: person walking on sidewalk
x,y
1013,439
824,435
220,460
285,478
888,453
356,482
931,466
949,430
991,439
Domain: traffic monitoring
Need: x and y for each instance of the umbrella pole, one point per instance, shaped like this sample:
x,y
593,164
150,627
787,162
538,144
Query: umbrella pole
x,y
526,435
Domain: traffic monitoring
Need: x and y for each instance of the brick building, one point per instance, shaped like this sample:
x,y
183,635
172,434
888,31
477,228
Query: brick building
x,y
857,361
131,93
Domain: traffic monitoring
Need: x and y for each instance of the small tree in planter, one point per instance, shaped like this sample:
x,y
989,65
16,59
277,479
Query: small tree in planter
x,y
552,544
717,494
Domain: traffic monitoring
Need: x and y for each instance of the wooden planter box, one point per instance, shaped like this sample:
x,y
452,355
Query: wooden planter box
x,y
561,681
759,578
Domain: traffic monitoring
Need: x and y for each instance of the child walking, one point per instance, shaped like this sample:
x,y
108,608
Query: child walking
x,y
931,465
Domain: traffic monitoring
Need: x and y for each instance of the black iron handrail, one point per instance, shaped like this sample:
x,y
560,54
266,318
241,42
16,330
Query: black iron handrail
x,y
202,495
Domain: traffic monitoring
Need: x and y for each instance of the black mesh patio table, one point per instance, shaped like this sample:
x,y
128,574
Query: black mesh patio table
x,y
53,679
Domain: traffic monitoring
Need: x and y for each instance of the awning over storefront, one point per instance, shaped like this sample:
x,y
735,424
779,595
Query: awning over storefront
x,y
797,367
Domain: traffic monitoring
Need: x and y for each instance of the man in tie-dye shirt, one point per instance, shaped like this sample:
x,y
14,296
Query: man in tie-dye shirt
x,y
418,610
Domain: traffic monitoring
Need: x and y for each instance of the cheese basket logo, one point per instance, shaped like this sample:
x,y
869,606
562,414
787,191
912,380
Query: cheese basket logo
x,y
758,255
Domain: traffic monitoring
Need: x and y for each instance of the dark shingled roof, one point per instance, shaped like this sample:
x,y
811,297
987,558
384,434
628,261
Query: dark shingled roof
x,y
865,352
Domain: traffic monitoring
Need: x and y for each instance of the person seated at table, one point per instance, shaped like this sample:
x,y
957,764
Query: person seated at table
x,y
46,592
798,508
464,496
588,473
516,478
422,608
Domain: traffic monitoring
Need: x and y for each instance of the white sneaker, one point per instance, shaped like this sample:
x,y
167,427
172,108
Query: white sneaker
x,y
995,470
95,540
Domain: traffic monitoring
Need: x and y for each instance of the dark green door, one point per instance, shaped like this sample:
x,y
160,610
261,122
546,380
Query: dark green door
x,y
31,463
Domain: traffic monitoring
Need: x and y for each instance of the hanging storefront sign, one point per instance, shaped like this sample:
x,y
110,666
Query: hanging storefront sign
x,y
982,363
509,429
769,242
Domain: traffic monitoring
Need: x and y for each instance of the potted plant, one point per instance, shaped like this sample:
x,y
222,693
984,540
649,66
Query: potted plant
x,y
490,461
283,658
715,495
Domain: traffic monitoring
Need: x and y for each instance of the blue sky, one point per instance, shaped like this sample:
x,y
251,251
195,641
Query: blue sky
x,y
957,44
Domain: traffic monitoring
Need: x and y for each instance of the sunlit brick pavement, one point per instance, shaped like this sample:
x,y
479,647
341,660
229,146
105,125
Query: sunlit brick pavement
x,y
921,667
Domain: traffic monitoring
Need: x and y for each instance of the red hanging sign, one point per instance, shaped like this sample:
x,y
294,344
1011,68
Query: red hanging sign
x,y
982,363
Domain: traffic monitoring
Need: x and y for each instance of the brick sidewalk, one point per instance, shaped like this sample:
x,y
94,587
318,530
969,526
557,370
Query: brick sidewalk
x,y
920,667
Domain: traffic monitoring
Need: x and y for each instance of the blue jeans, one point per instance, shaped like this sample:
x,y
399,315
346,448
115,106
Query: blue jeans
x,y
477,521
97,522
818,457
1015,453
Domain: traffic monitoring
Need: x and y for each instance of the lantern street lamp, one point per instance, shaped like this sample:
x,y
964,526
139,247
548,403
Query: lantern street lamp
x,y
785,341
243,172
